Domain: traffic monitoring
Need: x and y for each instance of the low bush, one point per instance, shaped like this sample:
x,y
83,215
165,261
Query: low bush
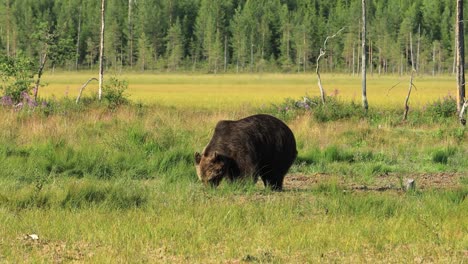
x,y
442,155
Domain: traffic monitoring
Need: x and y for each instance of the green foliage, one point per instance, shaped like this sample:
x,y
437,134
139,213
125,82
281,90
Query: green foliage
x,y
333,110
262,35
16,75
114,92
442,108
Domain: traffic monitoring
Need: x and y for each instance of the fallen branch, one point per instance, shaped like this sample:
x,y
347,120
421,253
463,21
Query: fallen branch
x,y
317,69
82,88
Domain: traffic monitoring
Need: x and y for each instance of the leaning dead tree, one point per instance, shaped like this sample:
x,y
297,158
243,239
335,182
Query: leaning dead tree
x,y
460,60
411,85
101,51
40,71
323,51
82,88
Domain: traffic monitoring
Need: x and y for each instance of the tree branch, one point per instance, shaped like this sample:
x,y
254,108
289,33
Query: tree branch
x,y
317,69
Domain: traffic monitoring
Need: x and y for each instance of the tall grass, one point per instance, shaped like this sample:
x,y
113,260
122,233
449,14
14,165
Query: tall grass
x,y
100,184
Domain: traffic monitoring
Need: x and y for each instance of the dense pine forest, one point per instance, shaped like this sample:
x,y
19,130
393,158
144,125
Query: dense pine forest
x,y
232,35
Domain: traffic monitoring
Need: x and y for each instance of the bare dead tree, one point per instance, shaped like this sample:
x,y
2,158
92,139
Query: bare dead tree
x,y
101,50
460,67
78,34
411,85
365,104
82,88
40,71
323,51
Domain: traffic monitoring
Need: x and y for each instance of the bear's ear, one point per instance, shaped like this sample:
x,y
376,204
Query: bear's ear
x,y
197,158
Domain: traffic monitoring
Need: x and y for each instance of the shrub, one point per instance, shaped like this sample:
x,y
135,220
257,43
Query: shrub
x,y
445,107
114,92
17,76
332,110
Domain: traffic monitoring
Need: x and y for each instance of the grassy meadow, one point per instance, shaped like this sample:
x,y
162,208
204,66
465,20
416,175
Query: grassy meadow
x,y
231,91
101,184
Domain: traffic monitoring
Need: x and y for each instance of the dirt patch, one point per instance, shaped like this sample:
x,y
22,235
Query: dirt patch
x,y
59,251
393,181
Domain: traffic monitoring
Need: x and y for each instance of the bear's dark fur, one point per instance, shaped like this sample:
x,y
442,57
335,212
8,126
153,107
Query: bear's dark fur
x,y
256,146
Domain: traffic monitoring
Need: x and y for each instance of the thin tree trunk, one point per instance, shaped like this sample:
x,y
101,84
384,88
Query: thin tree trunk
x,y
225,52
251,54
370,57
39,73
317,69
380,61
405,114
365,104
433,59
460,57
130,31
305,52
354,52
101,50
419,44
358,62
77,55
439,64
8,27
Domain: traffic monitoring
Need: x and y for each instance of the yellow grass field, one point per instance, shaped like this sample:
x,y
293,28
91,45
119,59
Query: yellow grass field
x,y
237,90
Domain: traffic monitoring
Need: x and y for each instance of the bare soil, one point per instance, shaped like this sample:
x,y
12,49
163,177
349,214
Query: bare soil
x,y
386,182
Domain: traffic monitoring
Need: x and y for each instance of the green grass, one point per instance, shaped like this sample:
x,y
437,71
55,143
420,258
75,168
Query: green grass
x,y
100,184
186,223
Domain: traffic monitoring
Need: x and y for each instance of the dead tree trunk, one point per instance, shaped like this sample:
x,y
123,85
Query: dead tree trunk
x,y
39,72
101,50
405,114
459,31
365,104
82,88
78,38
317,69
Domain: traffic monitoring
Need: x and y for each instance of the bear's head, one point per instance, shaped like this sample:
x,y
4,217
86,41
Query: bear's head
x,y
211,167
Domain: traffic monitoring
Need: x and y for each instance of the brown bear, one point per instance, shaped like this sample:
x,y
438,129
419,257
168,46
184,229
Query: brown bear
x,y
256,146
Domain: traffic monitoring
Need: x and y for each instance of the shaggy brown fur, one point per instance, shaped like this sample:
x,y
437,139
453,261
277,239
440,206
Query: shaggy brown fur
x,y
256,146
